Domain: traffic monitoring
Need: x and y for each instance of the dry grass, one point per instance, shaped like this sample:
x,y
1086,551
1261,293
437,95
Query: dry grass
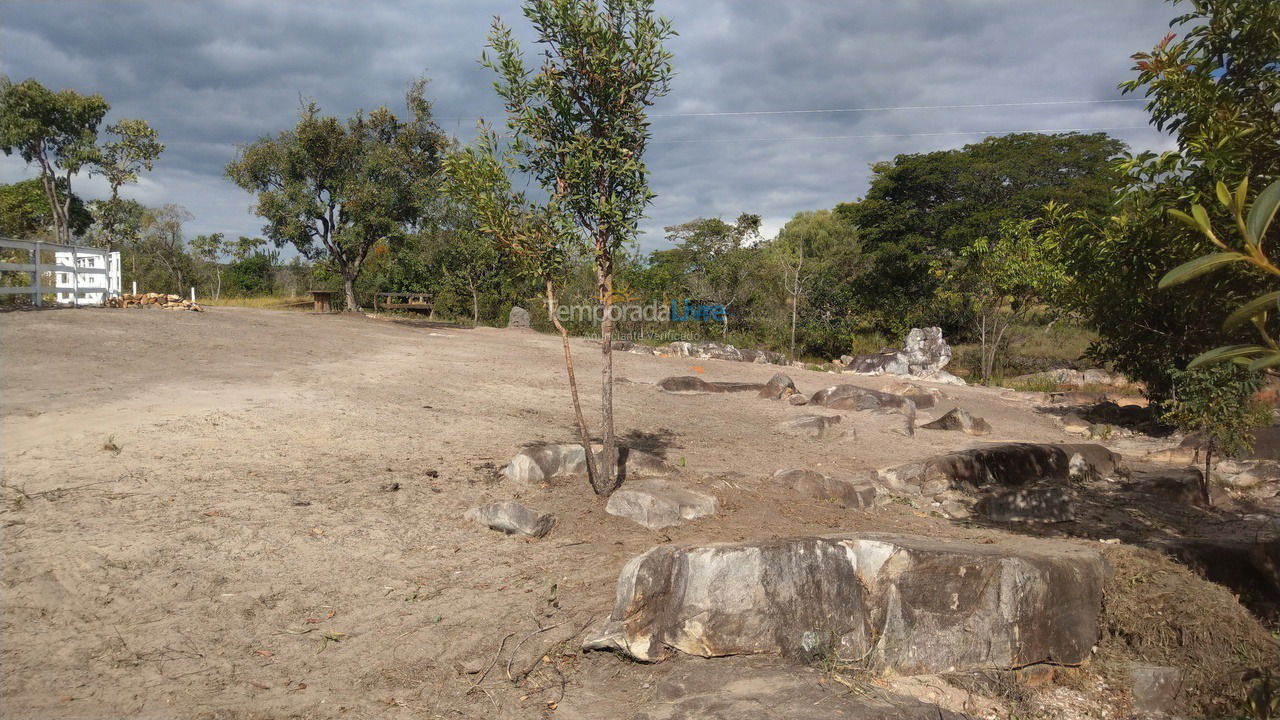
x,y
1160,612
266,302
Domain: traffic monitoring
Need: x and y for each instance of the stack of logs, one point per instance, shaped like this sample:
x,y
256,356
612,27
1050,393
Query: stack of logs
x,y
160,300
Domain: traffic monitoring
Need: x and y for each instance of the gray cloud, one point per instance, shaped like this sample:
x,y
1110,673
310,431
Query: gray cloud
x,y
213,74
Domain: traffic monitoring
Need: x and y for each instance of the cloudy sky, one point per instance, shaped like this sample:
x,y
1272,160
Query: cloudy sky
x,y
210,75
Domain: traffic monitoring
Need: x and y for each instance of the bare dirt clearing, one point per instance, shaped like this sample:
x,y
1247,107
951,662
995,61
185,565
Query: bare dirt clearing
x,y
242,513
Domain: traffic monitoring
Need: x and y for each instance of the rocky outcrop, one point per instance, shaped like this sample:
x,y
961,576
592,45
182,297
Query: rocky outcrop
x,y
905,604
843,492
545,462
519,318
957,419
1030,505
513,518
924,355
657,504
694,385
815,427
923,397
852,397
1005,465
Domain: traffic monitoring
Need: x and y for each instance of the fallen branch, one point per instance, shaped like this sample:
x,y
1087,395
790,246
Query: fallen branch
x,y
496,655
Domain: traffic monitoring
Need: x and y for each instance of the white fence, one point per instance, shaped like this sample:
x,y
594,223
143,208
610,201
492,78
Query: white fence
x,y
74,275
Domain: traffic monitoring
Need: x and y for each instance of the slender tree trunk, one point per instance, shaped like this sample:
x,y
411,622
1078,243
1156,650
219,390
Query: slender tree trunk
x,y
475,305
1208,467
584,435
608,478
349,287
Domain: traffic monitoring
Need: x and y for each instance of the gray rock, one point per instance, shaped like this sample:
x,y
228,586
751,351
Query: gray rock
x,y
1030,505
798,399
513,518
539,463
812,426
1016,464
778,387
717,351
694,385
680,349
924,353
519,318
843,492
957,419
657,504
923,397
727,690
1155,689
852,397
905,604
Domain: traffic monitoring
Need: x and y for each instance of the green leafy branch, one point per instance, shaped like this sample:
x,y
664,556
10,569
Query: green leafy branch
x,y
1253,226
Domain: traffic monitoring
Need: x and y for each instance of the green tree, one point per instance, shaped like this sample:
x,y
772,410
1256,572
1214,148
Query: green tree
x,y
1219,403
57,131
921,211
162,241
579,126
1217,90
819,259
119,161
25,212
1001,279
333,190
713,260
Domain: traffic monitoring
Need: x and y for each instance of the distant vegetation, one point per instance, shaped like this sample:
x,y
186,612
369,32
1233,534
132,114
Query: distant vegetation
x,y
1029,250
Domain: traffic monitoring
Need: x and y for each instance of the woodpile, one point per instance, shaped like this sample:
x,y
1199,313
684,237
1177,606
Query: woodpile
x,y
160,300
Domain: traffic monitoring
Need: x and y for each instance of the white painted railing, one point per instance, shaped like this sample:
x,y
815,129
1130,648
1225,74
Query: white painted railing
x,y
77,275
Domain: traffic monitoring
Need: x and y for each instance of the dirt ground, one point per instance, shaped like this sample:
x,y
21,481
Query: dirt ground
x,y
256,514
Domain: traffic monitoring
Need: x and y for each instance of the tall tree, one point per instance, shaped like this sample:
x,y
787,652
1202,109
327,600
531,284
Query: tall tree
x,y
119,161
579,126
921,211
333,190
162,240
714,259
209,249
56,130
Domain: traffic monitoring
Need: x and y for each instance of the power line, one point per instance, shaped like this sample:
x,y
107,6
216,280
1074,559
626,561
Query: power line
x,y
898,107
897,135
1038,103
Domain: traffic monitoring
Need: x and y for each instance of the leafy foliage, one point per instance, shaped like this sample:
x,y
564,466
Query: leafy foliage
x,y
333,190
25,211
58,131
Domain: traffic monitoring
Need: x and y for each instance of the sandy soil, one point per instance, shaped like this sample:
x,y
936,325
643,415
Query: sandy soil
x,y
255,514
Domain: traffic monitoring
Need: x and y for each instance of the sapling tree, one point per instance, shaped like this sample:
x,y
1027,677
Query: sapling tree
x,y
1218,402
540,237
578,125
134,149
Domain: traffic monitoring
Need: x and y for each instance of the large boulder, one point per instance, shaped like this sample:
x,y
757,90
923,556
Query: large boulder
x,y
657,504
513,518
1005,465
778,387
519,318
924,354
963,420
694,385
539,463
905,604
852,397
841,491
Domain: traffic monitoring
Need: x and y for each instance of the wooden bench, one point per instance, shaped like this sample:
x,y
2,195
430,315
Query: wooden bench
x,y
413,302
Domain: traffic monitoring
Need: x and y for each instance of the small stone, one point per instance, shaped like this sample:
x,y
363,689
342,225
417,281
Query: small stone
x,y
657,504
955,510
798,399
1074,424
845,493
513,518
